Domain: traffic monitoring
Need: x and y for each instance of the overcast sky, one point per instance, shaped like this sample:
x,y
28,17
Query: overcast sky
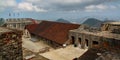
x,y
54,9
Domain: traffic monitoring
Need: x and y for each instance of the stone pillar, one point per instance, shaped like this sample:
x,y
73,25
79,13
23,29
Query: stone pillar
x,y
11,25
8,25
69,38
83,41
90,42
19,25
76,39
15,25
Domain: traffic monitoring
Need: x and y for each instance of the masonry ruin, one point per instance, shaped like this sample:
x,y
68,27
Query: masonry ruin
x,y
19,23
107,37
54,33
10,44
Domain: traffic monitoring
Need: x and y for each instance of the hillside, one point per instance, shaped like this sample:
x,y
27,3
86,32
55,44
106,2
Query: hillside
x,y
93,22
63,20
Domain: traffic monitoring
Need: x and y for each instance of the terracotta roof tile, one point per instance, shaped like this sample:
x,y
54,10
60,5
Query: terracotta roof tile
x,y
54,31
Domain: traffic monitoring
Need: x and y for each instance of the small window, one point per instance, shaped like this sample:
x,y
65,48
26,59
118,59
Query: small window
x,y
95,42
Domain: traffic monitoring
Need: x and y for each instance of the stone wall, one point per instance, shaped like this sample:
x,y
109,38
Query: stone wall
x,y
109,27
11,46
85,40
93,41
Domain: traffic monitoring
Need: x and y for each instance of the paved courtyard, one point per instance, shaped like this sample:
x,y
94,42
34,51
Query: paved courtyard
x,y
34,46
68,53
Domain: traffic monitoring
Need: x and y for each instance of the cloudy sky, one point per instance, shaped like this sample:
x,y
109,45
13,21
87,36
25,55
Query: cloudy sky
x,y
54,9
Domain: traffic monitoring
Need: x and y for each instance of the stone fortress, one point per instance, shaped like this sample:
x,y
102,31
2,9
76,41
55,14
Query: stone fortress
x,y
109,35
10,44
19,23
82,36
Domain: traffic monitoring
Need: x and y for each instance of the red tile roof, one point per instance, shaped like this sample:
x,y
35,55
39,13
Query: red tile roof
x,y
31,27
54,31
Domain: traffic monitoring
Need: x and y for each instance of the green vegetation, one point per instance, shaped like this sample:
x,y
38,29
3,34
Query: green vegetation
x,y
1,21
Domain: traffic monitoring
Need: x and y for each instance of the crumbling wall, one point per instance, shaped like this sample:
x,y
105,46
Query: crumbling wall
x,y
117,31
11,46
83,37
110,44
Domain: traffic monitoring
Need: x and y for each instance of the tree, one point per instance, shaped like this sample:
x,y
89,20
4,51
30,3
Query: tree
x,y
1,21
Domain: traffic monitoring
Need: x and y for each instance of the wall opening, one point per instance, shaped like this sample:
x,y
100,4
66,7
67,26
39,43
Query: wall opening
x,y
79,39
73,39
86,42
95,43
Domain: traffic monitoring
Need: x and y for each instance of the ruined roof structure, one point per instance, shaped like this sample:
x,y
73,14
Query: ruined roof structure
x,y
21,20
105,34
108,42
18,20
10,44
54,31
110,26
112,23
2,30
19,23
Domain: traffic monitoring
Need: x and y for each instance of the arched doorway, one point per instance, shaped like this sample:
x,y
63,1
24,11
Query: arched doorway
x,y
86,43
73,39
79,40
95,44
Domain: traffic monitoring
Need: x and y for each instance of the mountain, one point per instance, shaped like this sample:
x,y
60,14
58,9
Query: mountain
x,y
63,20
93,22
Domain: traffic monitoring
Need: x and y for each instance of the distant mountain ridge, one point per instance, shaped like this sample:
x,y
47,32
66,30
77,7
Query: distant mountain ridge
x,y
93,22
63,20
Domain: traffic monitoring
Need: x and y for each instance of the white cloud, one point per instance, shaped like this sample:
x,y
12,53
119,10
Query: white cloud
x,y
68,1
25,6
6,4
92,7
33,1
55,5
100,7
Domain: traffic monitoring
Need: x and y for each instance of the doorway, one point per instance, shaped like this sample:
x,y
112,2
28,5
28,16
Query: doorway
x,y
79,40
86,42
95,44
73,39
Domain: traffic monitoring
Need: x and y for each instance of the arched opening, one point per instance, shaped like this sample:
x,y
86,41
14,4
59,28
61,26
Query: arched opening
x,y
79,40
95,44
73,39
86,42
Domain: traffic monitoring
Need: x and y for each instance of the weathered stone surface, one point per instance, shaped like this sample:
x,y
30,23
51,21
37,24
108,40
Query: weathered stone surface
x,y
11,45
